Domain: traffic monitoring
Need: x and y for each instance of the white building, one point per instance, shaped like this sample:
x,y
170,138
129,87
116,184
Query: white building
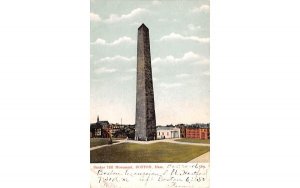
x,y
167,132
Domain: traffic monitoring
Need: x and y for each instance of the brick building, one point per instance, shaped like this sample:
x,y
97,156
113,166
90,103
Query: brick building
x,y
182,130
100,129
199,131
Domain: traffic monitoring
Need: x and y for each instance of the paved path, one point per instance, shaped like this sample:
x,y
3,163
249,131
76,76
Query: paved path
x,y
204,158
106,145
168,141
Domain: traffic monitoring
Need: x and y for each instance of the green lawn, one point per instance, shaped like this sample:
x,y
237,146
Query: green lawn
x,y
99,141
152,153
191,140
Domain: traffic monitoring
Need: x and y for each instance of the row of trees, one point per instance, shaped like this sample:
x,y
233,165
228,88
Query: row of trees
x,y
126,131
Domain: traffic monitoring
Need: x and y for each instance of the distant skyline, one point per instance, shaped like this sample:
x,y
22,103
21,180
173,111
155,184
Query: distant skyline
x,y
179,41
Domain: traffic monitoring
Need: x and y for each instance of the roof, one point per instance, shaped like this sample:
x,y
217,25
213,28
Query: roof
x,y
103,122
98,124
201,126
166,128
95,126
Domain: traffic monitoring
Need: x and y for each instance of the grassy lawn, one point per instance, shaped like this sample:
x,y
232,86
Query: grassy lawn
x,y
99,141
191,140
152,153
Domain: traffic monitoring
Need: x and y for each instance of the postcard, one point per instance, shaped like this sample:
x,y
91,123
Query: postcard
x,y
149,93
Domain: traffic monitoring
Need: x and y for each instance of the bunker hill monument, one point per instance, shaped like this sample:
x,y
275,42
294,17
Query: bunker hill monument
x,y
145,122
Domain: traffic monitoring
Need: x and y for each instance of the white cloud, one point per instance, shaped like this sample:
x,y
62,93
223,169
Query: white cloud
x,y
155,2
193,28
117,18
131,70
136,23
94,17
187,57
183,75
116,58
202,8
190,56
169,85
120,40
175,36
100,41
105,70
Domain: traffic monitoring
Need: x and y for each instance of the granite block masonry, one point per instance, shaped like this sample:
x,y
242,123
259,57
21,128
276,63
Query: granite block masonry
x,y
145,122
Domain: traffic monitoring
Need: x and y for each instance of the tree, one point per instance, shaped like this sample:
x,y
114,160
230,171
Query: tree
x,y
127,131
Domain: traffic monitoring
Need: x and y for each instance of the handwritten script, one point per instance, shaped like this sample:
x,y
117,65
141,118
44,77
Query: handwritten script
x,y
181,175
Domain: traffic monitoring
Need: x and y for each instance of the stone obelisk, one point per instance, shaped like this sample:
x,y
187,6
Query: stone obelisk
x,y
145,122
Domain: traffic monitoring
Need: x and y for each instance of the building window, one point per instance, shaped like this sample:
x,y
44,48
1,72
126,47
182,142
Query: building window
x,y
158,133
167,133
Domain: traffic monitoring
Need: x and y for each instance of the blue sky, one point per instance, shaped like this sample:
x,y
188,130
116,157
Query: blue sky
x,y
179,41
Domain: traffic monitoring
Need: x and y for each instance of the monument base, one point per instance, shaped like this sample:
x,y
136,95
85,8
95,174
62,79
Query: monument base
x,y
144,138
